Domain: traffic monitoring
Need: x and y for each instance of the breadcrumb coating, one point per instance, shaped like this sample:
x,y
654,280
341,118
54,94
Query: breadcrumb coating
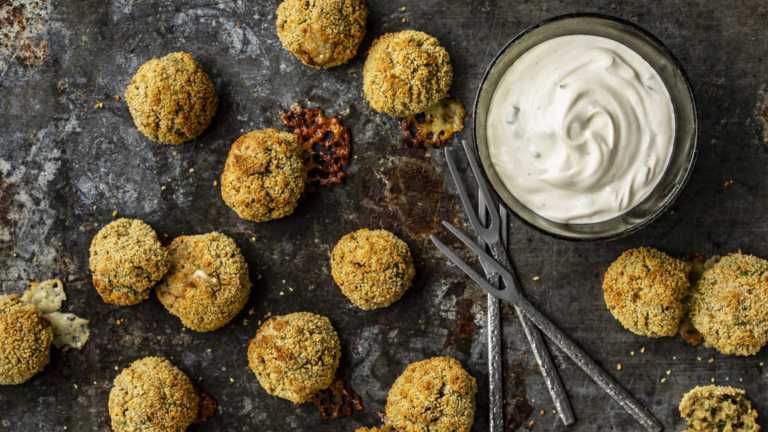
x,y
406,72
730,305
718,409
322,33
294,356
434,395
25,340
127,260
644,290
172,99
263,177
372,268
152,395
207,283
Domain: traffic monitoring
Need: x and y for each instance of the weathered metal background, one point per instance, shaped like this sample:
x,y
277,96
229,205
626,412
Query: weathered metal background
x,y
66,166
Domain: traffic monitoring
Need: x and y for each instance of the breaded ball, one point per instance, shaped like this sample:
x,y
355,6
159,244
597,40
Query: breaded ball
x,y
127,260
207,284
435,395
715,408
644,290
25,340
295,356
406,72
152,395
172,100
372,268
730,305
263,177
322,33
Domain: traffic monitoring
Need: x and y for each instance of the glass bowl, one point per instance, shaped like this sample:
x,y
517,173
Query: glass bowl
x,y
684,148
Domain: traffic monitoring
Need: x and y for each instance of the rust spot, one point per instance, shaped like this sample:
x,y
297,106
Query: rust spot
x,y
518,410
465,317
764,114
206,407
31,55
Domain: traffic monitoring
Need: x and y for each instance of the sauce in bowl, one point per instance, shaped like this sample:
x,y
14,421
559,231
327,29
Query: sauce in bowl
x,y
580,129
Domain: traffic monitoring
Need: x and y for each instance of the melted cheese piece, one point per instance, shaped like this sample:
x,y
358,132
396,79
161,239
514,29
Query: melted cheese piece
x,y
46,296
69,330
200,278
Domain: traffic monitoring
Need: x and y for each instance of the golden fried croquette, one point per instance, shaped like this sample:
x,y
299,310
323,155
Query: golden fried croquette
x,y
294,356
718,409
127,260
729,306
644,290
172,99
406,72
25,340
435,395
207,283
152,395
322,33
263,177
372,268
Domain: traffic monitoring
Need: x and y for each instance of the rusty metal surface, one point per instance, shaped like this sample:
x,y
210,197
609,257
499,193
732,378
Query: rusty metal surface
x,y
65,166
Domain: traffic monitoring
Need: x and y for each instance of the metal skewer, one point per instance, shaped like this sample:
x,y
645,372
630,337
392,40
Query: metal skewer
x,y
513,295
494,236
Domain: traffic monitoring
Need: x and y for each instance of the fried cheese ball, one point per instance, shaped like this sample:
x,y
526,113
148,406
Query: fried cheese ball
x,y
322,33
263,177
295,356
434,395
25,340
644,290
127,260
372,268
717,409
730,305
152,395
406,72
207,284
172,99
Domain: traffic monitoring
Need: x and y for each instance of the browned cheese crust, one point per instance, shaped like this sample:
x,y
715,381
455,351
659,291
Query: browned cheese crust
x,y
372,268
172,99
152,395
406,72
435,395
127,260
294,356
644,290
207,284
25,340
730,305
322,33
263,177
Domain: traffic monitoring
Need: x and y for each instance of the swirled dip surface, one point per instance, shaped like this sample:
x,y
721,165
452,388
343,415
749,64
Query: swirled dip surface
x,y
580,129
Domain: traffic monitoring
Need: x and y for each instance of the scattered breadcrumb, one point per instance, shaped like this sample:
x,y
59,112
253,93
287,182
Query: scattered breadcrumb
x,y
162,188
94,207
713,380
175,153
711,360
117,97
215,182
663,380
238,26
403,19
99,105
191,170
762,364
535,278
642,350
403,8
698,358
631,353
282,293
231,380
542,412
618,367
114,213
669,372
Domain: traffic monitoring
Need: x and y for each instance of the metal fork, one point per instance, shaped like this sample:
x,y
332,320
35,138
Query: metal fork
x,y
512,294
491,236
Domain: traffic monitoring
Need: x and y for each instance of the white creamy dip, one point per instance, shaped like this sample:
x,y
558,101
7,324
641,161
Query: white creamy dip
x,y
580,129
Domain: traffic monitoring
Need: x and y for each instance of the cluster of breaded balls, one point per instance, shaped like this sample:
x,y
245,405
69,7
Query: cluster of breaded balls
x,y
295,356
202,279
649,293
714,408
